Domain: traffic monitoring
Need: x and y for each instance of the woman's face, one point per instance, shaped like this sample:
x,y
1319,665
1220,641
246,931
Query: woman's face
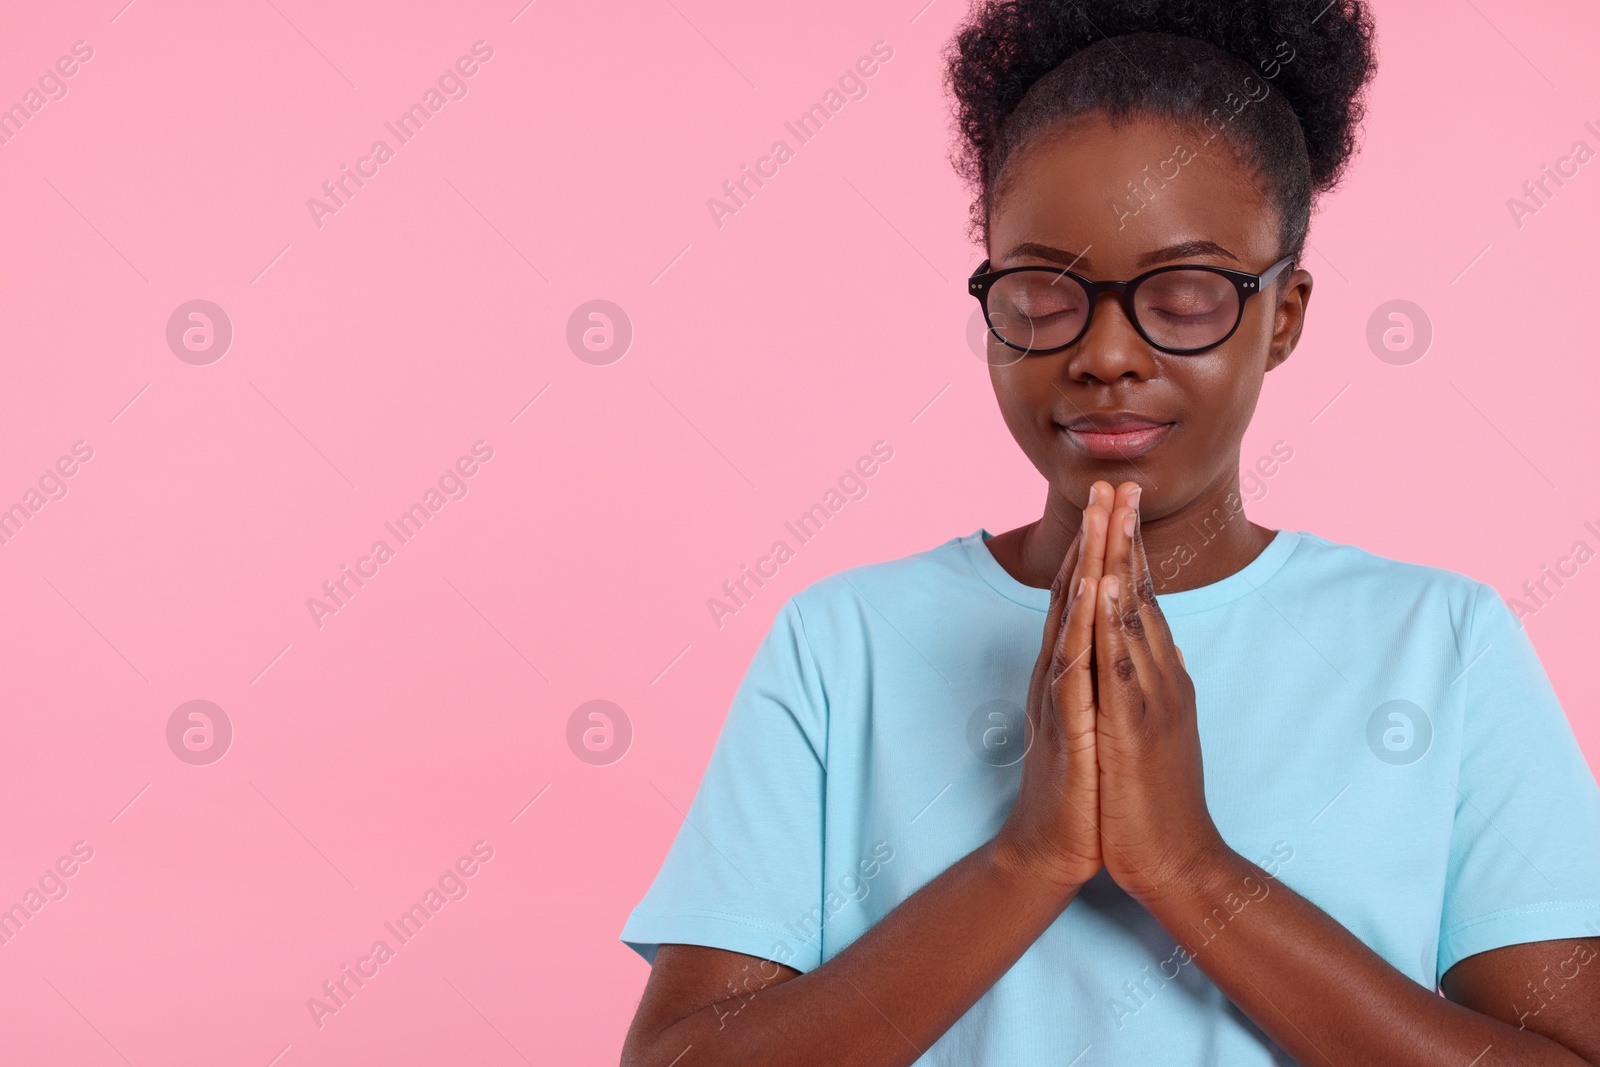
x,y
1067,202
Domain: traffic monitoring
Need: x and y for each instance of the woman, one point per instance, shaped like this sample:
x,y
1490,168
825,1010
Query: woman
x,y
931,833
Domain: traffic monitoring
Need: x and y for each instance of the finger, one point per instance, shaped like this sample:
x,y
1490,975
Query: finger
x,y
1071,584
1120,696
1060,590
1119,564
1072,683
1158,635
1096,519
1061,587
1119,545
1069,563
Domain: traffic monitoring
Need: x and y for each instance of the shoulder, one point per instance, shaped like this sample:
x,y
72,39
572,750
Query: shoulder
x,y
838,615
894,586
1329,575
1335,559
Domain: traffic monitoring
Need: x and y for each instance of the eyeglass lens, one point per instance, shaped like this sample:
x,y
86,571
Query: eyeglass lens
x,y
1177,309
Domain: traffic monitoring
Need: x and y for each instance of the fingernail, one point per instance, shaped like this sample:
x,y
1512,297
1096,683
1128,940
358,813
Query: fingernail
x,y
1092,490
1082,582
1113,587
1128,522
1133,497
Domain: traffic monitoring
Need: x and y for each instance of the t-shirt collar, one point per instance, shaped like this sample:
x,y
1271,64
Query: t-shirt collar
x,y
1185,602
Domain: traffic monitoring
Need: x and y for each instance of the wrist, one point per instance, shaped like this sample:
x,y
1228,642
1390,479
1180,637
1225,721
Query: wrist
x,y
1201,870
1028,873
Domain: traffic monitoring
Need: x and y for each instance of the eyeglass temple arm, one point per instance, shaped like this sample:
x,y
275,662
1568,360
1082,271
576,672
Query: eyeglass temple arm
x,y
1273,271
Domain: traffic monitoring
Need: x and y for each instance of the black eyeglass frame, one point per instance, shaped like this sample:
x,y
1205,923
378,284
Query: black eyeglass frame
x,y
1246,284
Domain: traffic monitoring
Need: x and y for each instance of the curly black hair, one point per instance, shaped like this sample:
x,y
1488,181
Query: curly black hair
x,y
1017,67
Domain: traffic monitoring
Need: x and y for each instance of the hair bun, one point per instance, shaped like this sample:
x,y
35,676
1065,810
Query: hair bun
x,y
1319,54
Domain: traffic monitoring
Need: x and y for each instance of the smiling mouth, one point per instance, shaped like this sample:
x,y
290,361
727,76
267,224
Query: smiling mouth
x,y
1119,437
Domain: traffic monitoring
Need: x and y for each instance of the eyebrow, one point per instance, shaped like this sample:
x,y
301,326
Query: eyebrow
x,y
1182,250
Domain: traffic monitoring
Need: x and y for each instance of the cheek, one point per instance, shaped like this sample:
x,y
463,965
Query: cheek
x,y
1218,403
1017,389
1223,394
1022,394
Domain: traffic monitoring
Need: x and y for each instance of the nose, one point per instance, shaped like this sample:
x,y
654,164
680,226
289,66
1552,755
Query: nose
x,y
1110,348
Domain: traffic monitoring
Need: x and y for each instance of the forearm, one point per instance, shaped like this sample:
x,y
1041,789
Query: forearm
x,y
894,990
1319,991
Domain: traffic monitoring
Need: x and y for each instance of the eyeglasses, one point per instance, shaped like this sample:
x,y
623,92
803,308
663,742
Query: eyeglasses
x,y
1182,309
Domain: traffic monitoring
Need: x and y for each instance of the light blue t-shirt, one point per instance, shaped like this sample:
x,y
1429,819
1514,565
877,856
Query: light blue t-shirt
x,y
1379,736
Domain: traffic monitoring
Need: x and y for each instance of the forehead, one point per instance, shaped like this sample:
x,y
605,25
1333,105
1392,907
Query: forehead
x,y
1120,192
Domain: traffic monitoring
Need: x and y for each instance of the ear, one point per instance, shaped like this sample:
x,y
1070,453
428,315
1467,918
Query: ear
x,y
1291,317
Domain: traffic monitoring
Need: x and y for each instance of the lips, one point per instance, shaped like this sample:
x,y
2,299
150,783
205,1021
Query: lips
x,y
1116,434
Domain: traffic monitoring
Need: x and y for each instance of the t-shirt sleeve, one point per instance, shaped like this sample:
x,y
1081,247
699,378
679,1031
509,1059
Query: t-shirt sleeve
x,y
1525,847
745,869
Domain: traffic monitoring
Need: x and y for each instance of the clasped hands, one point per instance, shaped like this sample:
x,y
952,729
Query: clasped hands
x,y
1113,774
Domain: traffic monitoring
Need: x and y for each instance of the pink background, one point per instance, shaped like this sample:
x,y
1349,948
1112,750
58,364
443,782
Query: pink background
x,y
768,354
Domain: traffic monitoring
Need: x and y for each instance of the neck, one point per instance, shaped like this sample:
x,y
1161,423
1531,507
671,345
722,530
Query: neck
x,y
1202,542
